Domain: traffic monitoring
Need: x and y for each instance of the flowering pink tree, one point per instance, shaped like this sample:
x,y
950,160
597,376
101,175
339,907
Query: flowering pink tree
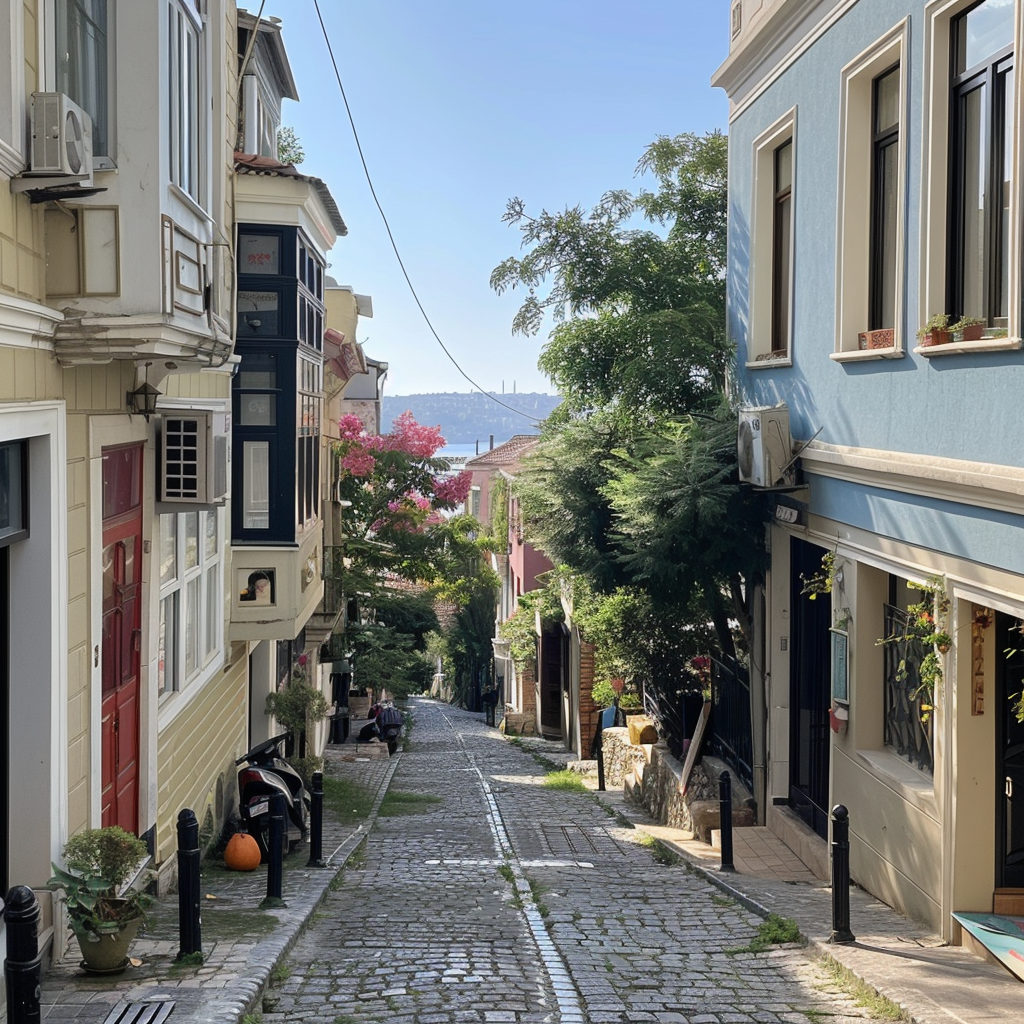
x,y
399,489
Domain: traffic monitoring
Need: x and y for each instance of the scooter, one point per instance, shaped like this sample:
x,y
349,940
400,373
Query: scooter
x,y
265,773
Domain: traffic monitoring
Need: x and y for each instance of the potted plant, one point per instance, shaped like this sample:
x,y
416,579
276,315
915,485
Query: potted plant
x,y
105,914
968,328
936,331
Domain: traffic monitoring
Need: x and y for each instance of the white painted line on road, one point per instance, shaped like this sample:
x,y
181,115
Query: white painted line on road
x,y
569,1007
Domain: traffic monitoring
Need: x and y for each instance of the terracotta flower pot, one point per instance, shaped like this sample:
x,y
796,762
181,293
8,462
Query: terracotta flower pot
x,y
936,338
883,338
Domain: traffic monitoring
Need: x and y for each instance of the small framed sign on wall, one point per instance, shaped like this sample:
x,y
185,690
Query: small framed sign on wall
x,y
840,666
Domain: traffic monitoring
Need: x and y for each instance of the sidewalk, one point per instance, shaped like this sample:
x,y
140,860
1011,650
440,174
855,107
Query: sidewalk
x,y
241,942
932,982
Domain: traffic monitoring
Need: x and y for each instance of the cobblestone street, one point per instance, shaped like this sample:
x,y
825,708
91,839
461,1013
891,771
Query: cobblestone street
x,y
503,900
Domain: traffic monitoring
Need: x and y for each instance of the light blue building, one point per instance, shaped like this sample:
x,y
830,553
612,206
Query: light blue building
x,y
875,182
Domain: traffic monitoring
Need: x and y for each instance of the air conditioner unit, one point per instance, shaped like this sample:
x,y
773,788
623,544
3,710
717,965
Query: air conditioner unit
x,y
195,458
61,138
764,446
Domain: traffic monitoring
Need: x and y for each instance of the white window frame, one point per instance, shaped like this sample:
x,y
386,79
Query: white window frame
x,y
205,579
938,16
187,91
853,228
762,244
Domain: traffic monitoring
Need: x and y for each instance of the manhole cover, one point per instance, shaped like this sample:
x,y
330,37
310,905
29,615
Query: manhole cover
x,y
140,1013
579,843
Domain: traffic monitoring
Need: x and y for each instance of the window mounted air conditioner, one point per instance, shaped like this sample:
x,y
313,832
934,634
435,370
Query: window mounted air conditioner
x,y
764,447
195,458
61,138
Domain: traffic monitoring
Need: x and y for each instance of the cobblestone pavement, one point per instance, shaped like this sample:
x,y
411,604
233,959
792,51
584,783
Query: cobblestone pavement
x,y
242,941
502,900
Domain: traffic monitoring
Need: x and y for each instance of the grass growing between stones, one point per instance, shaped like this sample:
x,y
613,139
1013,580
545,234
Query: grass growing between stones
x,y
877,1005
506,872
347,801
537,891
773,931
396,803
659,851
563,779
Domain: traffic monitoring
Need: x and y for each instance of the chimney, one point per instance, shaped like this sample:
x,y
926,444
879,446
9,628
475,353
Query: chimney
x,y
492,441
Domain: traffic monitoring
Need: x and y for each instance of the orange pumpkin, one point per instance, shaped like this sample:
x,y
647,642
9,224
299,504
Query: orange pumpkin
x,y
242,852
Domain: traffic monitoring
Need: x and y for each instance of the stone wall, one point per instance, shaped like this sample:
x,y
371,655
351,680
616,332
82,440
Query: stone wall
x,y
697,809
620,756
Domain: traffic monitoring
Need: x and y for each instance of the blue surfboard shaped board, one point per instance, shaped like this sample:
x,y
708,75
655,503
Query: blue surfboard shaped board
x,y
1002,936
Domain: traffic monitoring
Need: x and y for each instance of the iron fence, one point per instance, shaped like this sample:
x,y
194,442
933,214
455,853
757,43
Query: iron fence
x,y
908,711
730,733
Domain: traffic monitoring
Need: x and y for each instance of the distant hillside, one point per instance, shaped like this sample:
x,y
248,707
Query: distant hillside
x,y
465,418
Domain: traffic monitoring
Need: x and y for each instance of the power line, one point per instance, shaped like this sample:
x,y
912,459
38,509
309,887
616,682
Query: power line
x,y
391,237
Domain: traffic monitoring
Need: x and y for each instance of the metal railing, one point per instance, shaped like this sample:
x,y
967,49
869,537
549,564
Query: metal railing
x,y
730,733
909,718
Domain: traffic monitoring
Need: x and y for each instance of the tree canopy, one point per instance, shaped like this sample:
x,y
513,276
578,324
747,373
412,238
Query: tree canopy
x,y
639,313
634,486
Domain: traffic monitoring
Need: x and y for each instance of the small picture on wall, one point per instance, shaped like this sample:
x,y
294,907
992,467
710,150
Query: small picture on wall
x,y
256,586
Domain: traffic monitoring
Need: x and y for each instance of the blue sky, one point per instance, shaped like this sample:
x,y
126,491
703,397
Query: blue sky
x,y
460,105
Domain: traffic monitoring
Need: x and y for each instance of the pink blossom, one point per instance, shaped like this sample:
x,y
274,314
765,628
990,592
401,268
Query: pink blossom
x,y
413,438
358,462
351,426
451,491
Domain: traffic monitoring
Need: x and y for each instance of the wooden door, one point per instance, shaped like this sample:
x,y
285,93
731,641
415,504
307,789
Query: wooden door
x,y
122,582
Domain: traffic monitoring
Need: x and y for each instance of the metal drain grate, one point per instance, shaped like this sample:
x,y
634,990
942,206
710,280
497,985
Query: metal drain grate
x,y
580,844
140,1013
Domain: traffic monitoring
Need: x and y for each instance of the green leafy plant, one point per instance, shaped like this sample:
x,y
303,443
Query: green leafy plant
x,y
296,705
937,322
823,581
967,321
99,863
925,631
521,633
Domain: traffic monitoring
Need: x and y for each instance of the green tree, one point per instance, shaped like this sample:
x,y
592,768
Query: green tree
x,y
639,314
289,149
634,483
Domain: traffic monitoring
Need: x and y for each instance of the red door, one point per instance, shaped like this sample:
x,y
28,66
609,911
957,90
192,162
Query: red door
x,y
122,565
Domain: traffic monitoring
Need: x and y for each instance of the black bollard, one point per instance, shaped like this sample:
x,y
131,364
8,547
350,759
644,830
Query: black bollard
x,y
190,935
22,964
841,876
725,814
316,822
600,760
275,842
